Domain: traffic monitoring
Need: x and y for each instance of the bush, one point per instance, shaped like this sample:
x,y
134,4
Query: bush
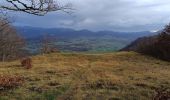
x,y
26,63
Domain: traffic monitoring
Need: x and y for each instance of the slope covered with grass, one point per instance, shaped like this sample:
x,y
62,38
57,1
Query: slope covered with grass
x,y
110,76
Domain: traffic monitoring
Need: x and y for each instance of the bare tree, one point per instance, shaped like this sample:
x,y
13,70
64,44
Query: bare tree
x,y
4,20
47,44
36,7
10,42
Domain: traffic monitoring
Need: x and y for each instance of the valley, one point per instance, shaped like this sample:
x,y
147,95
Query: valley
x,y
69,40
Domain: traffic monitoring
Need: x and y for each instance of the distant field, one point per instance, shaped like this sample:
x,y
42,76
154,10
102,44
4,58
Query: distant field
x,y
69,76
84,44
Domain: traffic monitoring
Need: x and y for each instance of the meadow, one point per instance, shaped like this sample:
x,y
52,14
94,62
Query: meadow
x,y
85,76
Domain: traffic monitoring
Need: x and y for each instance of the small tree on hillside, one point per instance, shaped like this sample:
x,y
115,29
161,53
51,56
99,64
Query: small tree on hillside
x,y
47,44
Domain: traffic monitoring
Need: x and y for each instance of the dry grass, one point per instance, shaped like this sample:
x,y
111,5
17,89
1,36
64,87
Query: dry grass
x,y
110,76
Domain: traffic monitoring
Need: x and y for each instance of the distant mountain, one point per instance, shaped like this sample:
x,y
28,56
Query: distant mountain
x,y
35,32
81,40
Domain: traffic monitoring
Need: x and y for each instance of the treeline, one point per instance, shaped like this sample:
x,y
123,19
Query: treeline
x,y
157,46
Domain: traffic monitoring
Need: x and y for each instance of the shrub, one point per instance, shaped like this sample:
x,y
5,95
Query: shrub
x,y
26,63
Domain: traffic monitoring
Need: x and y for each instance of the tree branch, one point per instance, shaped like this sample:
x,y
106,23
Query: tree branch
x,y
35,7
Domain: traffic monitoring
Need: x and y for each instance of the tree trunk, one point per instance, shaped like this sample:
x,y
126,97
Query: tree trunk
x,y
3,57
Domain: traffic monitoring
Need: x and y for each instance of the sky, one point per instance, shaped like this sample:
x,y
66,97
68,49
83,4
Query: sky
x,y
95,15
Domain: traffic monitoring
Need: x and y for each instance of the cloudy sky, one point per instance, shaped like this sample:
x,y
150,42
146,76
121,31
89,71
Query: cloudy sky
x,y
116,15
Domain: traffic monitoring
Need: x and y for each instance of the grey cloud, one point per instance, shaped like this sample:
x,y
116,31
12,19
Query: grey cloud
x,y
120,15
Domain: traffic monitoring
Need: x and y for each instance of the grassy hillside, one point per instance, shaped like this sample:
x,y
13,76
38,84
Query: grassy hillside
x,y
110,76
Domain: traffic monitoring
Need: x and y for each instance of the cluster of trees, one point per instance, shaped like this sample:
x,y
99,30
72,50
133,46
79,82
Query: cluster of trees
x,y
157,46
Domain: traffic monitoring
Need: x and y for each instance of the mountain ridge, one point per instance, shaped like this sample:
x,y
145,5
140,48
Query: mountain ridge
x,y
39,31
80,40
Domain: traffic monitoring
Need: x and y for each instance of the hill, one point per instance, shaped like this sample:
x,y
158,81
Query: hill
x,y
136,43
157,46
80,40
76,76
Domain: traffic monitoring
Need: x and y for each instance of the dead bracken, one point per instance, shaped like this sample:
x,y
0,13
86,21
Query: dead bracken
x,y
10,82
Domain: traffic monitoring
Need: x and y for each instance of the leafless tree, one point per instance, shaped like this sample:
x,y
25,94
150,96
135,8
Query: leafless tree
x,y
36,7
4,20
47,44
10,41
